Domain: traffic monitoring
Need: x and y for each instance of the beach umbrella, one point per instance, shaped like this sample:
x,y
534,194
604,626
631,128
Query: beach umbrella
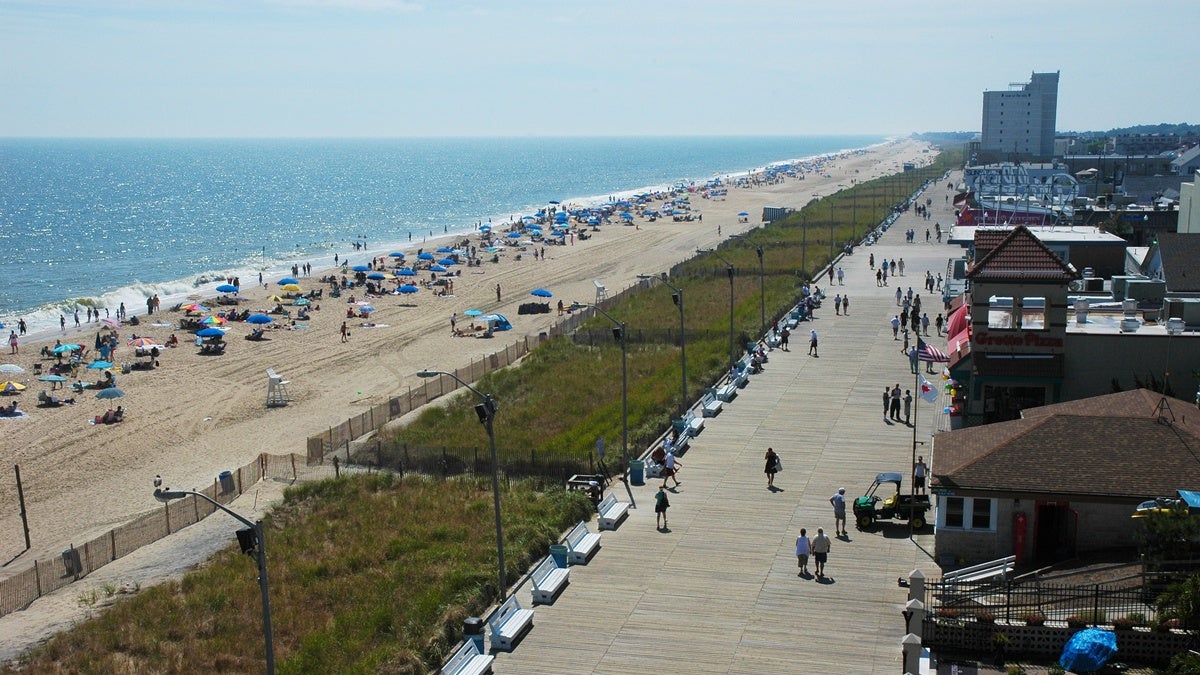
x,y
473,312
627,215
143,343
743,214
366,309
541,293
408,288
405,272
11,369
10,387
444,249
593,220
275,298
99,365
110,322
396,254
513,235
207,332
111,392
66,348
425,255
195,307
437,268
213,321
227,288
376,276
259,319
553,201
288,280
291,288
300,302
447,261
52,378
528,218
361,268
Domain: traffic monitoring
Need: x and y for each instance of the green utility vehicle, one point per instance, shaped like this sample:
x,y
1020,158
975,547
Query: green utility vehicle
x,y
892,505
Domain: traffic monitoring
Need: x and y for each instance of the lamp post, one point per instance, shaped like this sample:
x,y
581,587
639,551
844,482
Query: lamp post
x,y
487,414
677,298
762,293
620,334
258,545
729,270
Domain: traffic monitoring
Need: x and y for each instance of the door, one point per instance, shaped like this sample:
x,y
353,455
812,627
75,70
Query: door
x,y
1054,537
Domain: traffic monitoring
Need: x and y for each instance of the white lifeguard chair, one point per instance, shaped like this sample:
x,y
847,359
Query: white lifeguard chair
x,y
277,391
601,292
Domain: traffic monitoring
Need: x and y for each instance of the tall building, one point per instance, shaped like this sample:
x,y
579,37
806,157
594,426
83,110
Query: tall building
x,y
1021,120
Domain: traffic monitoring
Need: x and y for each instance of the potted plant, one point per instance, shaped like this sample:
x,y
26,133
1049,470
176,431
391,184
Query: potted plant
x,y
1124,623
1077,622
984,616
1034,619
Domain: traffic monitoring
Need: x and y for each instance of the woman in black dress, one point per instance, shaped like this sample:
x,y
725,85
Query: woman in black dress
x,y
772,459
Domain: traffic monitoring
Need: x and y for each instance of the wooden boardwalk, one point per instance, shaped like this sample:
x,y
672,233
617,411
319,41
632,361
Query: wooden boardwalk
x,y
718,592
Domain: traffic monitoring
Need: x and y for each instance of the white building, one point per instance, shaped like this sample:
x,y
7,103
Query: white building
x,y
1189,206
1021,120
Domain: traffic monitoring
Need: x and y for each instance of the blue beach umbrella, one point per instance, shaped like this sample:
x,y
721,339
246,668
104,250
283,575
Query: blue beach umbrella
x,y
52,378
361,268
627,215
396,254
743,214
210,332
593,220
111,392
436,268
514,235
287,280
99,365
528,217
473,312
227,288
376,276
66,348
301,302
447,261
541,293
445,249
408,288
259,318
426,255
366,309
405,272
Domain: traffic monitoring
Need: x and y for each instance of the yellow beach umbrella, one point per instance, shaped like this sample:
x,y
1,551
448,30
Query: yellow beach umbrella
x,y
10,387
275,298
291,288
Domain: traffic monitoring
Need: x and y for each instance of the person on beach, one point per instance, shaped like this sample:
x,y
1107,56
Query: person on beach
x,y
803,550
12,341
497,292
839,516
772,467
21,327
453,322
345,332
661,504
62,322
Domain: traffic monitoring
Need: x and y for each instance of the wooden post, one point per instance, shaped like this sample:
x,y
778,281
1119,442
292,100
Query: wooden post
x,y
167,517
293,456
21,500
112,545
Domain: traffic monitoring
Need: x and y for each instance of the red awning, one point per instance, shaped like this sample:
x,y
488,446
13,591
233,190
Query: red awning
x,y
958,320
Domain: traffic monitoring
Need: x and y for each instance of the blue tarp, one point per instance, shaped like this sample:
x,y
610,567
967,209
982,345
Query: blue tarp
x,y
1088,650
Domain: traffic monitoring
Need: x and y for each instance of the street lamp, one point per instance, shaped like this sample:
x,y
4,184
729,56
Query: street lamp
x,y
762,293
620,334
677,298
250,540
729,270
487,414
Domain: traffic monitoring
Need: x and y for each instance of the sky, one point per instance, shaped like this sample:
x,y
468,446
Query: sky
x,y
396,68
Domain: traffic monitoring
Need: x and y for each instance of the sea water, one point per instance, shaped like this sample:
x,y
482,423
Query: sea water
x,y
104,222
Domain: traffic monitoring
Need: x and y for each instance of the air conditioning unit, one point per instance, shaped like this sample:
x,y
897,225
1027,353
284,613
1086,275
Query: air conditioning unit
x,y
1130,325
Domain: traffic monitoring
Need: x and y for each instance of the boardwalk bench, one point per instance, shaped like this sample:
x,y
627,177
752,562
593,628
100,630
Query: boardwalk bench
x,y
509,624
710,404
688,425
728,391
611,512
548,581
468,660
582,544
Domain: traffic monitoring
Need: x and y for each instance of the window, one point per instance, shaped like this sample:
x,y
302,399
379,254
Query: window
x,y
1000,312
1033,313
972,514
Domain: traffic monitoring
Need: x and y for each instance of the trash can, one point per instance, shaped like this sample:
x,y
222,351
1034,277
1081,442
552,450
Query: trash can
x,y
473,631
72,562
637,474
226,478
559,553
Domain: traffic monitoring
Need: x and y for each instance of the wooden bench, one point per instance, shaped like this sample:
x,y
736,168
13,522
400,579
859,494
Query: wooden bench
x,y
548,581
710,404
509,624
611,512
468,660
728,391
582,544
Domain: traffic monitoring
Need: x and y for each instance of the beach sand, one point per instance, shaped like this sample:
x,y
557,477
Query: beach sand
x,y
196,416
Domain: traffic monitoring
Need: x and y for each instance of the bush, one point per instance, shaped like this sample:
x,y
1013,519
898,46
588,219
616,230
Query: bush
x,y
1186,663
1034,618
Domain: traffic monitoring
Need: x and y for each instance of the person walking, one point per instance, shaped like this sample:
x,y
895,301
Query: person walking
x,y
938,322
497,292
671,467
774,464
783,338
21,326
812,342
879,277
908,400
454,321
345,332
839,516
661,504
895,327
925,323
820,550
912,360
837,304
899,296
12,341
841,277
871,260
845,305
803,550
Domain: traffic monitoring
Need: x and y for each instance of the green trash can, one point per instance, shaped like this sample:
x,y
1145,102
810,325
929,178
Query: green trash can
x,y
559,553
637,472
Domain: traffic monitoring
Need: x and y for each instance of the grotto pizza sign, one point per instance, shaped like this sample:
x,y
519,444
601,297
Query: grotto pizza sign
x,y
1029,339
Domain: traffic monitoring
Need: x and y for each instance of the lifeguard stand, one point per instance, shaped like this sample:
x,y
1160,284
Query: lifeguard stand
x,y
601,292
277,391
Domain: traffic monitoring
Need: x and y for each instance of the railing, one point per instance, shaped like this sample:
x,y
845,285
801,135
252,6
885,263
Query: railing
x,y
1010,601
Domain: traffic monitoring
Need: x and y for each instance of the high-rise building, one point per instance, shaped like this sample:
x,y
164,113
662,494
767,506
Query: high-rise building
x,y
1021,120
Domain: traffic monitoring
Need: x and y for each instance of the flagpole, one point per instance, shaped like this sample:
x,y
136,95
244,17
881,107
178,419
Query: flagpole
x,y
912,471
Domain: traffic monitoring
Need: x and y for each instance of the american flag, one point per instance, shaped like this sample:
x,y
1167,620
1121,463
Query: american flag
x,y
929,353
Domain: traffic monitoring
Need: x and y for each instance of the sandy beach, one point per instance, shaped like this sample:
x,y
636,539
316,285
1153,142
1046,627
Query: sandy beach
x,y
197,415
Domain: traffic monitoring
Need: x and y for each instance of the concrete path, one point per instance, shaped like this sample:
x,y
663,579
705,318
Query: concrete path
x,y
718,592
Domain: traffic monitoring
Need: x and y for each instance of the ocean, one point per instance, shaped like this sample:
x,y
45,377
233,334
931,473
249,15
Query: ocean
x,y
101,222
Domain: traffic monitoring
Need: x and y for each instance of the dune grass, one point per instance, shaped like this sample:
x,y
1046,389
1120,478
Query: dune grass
x,y
368,574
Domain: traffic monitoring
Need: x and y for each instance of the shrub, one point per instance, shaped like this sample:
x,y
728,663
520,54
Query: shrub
x,y
984,616
1034,618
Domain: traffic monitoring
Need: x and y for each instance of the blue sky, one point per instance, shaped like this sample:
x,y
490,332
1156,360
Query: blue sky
x,y
372,68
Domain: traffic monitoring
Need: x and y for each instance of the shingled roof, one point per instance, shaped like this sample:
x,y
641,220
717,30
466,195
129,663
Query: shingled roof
x,y
1120,446
987,239
1179,255
1021,256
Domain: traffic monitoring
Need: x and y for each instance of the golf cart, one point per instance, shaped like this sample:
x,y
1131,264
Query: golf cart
x,y
892,505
